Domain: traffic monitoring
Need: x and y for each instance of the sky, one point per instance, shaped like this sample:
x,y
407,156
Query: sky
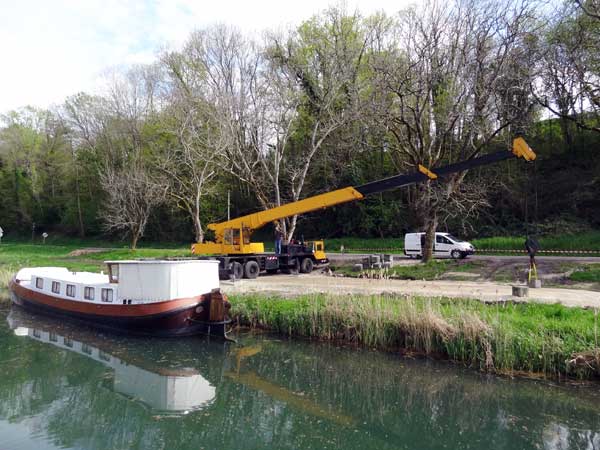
x,y
51,49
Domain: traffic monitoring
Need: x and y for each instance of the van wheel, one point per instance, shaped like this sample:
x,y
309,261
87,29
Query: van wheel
x,y
236,270
306,266
251,269
456,254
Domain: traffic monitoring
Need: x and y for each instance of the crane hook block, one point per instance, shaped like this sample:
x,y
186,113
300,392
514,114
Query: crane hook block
x,y
522,150
425,171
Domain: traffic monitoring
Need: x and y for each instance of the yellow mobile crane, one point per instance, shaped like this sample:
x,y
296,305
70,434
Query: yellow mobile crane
x,y
239,256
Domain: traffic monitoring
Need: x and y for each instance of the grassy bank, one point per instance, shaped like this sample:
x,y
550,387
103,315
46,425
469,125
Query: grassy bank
x,y
508,339
14,255
428,271
587,274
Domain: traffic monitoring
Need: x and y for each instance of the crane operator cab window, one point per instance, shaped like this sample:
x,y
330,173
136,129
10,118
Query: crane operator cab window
x,y
246,235
232,236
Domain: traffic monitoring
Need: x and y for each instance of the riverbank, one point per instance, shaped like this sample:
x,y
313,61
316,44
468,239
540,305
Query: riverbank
x,y
531,339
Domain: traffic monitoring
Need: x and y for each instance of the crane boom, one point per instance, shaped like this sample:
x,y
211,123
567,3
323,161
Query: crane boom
x,y
233,236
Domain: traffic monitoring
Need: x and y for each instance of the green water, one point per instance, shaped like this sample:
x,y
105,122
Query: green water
x,y
107,392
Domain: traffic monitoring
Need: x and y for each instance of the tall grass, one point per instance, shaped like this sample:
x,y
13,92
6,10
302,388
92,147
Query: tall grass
x,y
498,338
6,273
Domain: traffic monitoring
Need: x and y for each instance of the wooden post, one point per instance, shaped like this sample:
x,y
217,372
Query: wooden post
x,y
217,306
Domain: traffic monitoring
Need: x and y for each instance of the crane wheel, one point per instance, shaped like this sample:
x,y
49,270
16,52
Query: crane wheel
x,y
293,267
306,266
251,269
236,270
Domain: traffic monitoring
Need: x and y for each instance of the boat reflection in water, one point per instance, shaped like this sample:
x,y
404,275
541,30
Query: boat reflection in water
x,y
162,388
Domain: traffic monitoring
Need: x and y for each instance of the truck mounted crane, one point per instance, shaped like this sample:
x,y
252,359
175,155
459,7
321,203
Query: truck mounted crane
x,y
239,256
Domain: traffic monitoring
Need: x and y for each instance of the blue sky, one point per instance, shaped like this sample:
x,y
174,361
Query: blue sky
x,y
54,48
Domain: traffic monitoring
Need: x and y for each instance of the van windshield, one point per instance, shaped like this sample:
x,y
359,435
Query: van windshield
x,y
452,238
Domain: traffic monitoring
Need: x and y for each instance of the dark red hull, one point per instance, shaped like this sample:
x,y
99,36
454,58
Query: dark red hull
x,y
179,317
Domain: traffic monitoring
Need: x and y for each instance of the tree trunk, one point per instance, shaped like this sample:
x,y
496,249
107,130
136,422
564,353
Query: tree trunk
x,y
135,235
430,227
78,195
199,233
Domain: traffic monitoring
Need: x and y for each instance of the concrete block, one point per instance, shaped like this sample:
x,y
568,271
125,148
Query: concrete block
x,y
520,291
535,284
357,268
386,265
376,265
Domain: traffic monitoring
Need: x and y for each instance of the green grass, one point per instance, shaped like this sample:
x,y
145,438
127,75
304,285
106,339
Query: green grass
x,y
15,255
587,274
582,241
532,338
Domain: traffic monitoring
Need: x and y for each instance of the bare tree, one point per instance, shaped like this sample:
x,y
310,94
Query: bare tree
x,y
126,172
192,164
131,195
250,104
324,57
447,71
590,8
568,83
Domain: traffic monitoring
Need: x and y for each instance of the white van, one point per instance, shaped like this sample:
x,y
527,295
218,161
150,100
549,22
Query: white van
x,y
445,245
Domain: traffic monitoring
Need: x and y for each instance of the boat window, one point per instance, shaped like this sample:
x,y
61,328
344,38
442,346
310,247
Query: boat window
x,y
53,337
56,287
88,293
113,273
37,334
71,290
86,349
68,342
39,283
107,295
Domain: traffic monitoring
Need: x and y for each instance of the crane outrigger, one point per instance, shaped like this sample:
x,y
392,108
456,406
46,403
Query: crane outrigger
x,y
239,256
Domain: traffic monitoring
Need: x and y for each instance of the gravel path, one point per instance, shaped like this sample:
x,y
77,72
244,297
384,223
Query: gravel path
x,y
290,285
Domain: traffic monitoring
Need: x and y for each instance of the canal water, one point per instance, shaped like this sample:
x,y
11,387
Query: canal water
x,y
64,386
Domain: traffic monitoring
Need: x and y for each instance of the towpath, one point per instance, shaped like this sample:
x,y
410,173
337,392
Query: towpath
x,y
292,285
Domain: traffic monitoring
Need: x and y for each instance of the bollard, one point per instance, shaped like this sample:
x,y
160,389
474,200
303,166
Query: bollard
x,y
535,284
520,291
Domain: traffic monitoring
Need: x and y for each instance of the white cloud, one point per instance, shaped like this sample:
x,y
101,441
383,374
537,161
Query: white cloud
x,y
53,49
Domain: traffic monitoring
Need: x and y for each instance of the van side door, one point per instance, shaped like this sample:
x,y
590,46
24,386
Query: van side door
x,y
443,246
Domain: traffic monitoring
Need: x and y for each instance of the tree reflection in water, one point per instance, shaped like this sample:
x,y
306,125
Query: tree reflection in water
x,y
117,392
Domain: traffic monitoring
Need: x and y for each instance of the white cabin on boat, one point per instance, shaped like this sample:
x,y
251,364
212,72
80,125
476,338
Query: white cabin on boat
x,y
127,282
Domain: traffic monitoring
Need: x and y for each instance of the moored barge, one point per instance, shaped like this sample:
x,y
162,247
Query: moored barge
x,y
145,297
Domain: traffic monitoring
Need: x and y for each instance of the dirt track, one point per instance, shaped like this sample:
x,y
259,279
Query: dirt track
x,y
290,285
